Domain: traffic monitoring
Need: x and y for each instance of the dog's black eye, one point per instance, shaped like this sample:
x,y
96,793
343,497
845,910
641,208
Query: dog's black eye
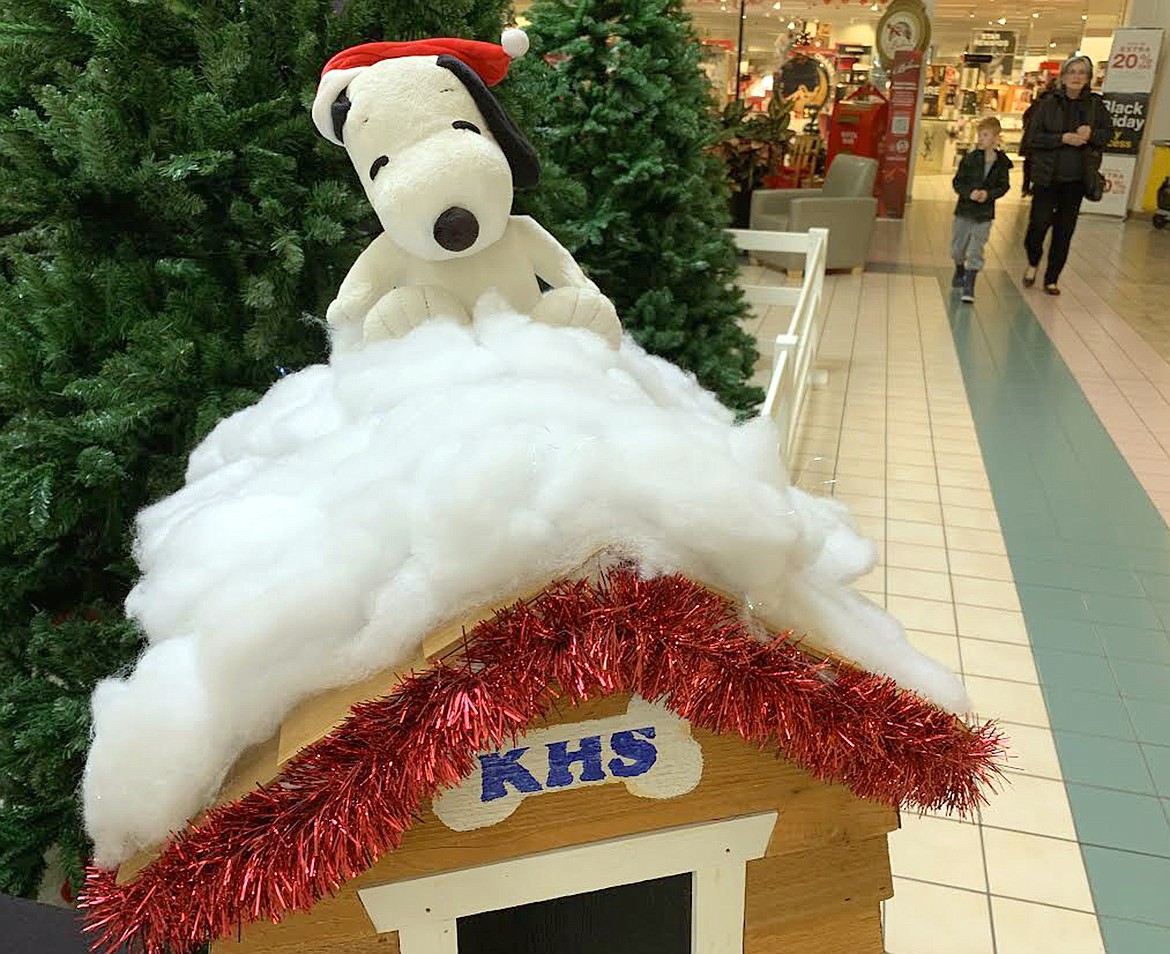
x,y
377,165
464,124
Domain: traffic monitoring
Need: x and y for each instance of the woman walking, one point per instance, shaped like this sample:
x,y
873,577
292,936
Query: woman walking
x,y
1063,139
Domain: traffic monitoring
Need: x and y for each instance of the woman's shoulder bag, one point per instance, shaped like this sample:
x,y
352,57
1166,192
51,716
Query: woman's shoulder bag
x,y
1094,181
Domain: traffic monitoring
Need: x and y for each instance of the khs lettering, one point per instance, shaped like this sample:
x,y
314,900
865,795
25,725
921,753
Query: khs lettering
x,y
634,755
647,749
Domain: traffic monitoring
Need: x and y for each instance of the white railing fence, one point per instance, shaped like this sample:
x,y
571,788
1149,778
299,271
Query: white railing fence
x,y
795,348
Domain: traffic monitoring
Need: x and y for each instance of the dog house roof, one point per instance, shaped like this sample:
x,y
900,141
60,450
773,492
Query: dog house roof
x,y
348,797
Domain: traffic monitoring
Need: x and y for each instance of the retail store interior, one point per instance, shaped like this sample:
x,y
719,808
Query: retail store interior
x,y
991,57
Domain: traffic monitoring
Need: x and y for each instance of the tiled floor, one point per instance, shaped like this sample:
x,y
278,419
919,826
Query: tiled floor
x,y
1111,326
1019,547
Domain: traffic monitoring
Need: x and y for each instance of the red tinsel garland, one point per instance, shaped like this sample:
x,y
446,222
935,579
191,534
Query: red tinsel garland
x,y
344,801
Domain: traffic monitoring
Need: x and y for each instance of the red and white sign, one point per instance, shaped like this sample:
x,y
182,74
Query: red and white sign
x,y
1132,64
1118,172
894,170
1133,60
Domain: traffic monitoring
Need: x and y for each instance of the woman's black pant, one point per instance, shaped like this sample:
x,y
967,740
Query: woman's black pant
x,y
1054,207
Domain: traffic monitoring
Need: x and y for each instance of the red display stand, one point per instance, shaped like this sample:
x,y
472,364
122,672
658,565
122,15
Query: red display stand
x,y
859,125
893,179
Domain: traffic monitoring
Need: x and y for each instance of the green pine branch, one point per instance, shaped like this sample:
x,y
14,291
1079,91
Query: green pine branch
x,y
171,230
623,111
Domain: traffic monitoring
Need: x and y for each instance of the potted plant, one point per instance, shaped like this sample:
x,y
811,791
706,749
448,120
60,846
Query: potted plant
x,y
752,145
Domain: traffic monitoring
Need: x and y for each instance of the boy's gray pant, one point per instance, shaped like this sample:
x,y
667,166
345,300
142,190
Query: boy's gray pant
x,y
967,240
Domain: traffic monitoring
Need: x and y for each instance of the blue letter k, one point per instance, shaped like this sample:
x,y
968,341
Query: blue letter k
x,y
498,770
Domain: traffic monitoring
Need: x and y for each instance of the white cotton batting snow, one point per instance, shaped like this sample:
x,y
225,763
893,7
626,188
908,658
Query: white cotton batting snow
x,y
323,532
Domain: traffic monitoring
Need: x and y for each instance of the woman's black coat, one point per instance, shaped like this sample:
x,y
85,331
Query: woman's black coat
x,y
1048,119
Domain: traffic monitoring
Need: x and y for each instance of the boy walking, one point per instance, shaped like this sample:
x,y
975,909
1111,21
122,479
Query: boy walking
x,y
982,178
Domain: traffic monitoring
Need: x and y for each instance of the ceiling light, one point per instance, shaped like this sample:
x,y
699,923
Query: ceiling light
x,y
874,8
1001,21
1035,16
792,24
775,6
1052,45
1084,16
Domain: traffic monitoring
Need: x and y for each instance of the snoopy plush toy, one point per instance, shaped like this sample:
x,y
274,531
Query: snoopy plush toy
x,y
439,159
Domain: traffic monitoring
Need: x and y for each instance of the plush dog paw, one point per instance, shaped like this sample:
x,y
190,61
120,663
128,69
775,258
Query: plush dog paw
x,y
402,310
580,308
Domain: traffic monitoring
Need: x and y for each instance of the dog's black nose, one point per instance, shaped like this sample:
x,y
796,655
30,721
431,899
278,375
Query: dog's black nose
x,y
456,230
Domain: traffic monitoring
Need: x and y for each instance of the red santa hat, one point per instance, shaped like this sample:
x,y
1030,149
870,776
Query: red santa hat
x,y
489,60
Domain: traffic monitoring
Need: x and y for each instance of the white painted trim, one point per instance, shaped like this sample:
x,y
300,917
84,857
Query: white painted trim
x,y
433,937
424,910
794,357
771,295
761,240
717,903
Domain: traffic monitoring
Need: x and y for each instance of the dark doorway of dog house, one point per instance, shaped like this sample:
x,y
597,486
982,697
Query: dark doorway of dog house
x,y
631,919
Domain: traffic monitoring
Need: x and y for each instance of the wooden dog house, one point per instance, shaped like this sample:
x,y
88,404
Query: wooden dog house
x,y
514,791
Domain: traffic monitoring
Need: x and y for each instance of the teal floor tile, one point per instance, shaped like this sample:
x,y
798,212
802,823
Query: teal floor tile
x,y
1023,547
1088,713
1150,560
1141,645
1085,578
1106,763
1026,525
1141,559
1156,586
1151,720
1147,530
1053,602
1111,582
1122,820
1093,598
1074,670
1129,885
1090,530
1120,611
1042,572
1158,759
1131,937
1065,635
1142,680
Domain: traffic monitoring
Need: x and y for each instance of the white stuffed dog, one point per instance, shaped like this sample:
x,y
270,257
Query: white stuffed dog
x,y
439,159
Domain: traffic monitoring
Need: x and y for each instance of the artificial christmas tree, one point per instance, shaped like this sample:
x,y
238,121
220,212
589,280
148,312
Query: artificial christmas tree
x,y
389,569
171,231
627,112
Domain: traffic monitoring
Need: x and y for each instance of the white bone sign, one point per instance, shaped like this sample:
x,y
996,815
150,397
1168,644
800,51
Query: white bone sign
x,y
648,749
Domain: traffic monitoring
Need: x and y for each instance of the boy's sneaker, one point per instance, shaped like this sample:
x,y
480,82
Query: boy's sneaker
x,y
969,286
960,271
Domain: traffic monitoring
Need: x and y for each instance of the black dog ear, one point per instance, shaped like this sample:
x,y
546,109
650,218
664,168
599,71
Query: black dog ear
x,y
339,110
517,150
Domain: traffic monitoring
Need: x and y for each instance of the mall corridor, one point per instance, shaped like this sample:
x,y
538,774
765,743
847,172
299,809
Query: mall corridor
x,y
1012,459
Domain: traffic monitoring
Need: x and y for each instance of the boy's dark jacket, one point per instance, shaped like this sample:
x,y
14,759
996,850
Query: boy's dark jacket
x,y
971,177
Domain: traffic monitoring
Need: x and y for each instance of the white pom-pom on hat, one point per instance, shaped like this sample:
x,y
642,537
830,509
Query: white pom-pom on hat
x,y
331,85
515,42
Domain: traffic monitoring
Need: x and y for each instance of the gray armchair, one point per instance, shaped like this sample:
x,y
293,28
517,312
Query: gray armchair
x,y
845,206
